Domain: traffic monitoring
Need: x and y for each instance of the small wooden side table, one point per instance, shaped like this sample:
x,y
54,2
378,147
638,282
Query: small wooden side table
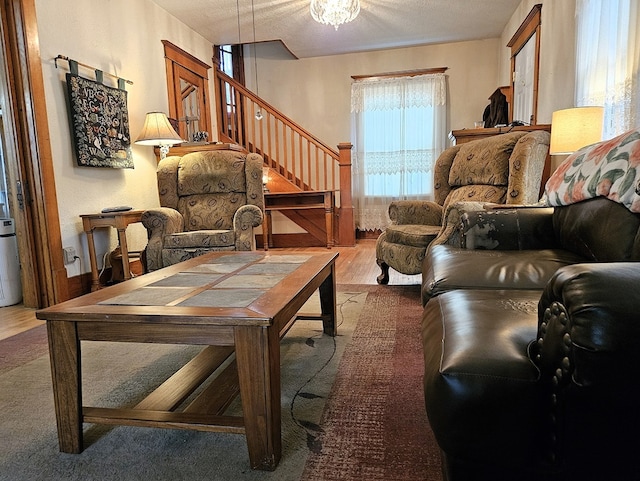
x,y
119,220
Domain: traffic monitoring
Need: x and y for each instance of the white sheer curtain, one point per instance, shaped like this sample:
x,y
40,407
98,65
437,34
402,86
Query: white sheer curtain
x,y
398,131
608,61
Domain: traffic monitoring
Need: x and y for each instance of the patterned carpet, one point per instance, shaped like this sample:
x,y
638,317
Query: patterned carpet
x,y
352,406
374,426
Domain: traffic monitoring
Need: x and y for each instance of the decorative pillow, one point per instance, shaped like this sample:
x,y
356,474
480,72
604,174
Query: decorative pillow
x,y
484,161
606,169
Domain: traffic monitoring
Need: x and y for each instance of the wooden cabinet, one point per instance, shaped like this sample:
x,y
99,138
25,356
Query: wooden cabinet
x,y
467,135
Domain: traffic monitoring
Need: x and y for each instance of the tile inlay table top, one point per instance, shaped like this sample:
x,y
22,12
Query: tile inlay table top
x,y
239,304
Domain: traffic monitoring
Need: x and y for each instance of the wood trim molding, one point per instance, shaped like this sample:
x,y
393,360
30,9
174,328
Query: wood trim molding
x,y
405,73
529,26
38,223
180,64
188,61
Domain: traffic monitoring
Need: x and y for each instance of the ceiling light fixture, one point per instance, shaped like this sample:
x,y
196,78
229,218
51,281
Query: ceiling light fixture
x,y
334,12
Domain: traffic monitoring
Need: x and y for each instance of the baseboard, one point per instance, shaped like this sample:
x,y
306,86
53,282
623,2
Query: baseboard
x,y
81,284
368,234
291,240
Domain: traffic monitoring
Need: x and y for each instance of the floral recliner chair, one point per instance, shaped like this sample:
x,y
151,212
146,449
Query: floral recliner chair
x,y
210,201
504,169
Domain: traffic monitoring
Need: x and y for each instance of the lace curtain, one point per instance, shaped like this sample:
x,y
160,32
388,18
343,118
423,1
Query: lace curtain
x,y
608,61
398,130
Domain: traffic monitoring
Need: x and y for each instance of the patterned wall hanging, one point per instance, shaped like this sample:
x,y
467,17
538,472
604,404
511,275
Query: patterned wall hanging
x,y
99,121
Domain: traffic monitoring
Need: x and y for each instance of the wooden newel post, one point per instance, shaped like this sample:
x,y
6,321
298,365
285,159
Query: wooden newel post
x,y
346,222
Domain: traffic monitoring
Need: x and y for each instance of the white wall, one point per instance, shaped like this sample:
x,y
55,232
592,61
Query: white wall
x,y
121,37
316,92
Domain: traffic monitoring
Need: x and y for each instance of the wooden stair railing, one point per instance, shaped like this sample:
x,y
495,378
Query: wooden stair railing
x,y
297,156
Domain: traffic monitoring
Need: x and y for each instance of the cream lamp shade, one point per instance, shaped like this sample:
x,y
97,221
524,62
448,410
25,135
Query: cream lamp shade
x,y
572,129
158,131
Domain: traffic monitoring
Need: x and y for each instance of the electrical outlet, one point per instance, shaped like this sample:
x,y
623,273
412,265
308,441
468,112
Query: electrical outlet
x,y
69,255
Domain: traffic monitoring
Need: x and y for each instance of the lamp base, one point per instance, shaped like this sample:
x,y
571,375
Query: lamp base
x,y
164,150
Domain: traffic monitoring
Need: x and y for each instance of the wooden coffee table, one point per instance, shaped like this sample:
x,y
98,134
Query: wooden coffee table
x,y
238,304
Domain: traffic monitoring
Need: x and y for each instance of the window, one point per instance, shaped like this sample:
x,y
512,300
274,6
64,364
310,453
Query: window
x,y
398,130
608,61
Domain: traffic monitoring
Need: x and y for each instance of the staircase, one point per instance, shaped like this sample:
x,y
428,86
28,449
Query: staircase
x,y
297,160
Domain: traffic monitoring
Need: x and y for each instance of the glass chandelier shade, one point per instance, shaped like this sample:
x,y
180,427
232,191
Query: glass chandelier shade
x,y
334,12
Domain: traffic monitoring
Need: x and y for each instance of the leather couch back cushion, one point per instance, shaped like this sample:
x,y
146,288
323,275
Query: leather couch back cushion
x,y
598,229
211,172
484,161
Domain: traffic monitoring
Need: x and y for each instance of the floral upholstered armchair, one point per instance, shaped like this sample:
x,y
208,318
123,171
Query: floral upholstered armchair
x,y
209,201
504,169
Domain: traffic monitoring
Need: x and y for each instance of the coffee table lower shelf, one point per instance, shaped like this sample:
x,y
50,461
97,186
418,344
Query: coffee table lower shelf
x,y
204,413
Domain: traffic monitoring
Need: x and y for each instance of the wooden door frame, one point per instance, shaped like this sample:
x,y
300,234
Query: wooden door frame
x,y
29,158
175,56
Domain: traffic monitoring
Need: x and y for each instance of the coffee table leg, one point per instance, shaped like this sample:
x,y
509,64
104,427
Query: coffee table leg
x,y
64,352
328,303
258,359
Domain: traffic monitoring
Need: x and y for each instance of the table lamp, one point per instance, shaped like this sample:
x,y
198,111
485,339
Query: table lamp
x,y
158,131
572,129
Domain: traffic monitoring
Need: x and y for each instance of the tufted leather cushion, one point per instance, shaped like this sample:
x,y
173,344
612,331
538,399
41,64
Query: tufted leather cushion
x,y
484,161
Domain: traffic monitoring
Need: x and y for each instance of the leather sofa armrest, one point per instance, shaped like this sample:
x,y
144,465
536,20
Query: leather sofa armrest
x,y
513,228
588,313
586,350
159,223
422,212
244,220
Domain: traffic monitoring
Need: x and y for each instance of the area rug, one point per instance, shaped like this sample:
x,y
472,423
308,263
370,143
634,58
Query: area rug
x,y
371,425
374,426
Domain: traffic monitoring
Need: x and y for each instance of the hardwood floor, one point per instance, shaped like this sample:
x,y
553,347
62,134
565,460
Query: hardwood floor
x,y
16,319
355,265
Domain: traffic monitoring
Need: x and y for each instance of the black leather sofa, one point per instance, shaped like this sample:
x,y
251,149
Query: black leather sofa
x,y
530,332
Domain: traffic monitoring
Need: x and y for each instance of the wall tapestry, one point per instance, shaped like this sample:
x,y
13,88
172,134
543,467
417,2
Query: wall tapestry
x,y
100,124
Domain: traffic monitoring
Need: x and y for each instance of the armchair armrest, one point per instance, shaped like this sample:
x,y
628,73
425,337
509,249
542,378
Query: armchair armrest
x,y
244,220
514,228
423,212
159,223
451,229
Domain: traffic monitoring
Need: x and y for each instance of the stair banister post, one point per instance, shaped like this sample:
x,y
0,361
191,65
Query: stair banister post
x,y
346,222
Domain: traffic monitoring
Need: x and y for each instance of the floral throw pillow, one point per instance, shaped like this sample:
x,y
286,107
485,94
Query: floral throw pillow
x,y
609,169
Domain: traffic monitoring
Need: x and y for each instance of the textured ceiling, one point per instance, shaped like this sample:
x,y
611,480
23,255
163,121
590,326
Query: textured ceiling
x,y
381,24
